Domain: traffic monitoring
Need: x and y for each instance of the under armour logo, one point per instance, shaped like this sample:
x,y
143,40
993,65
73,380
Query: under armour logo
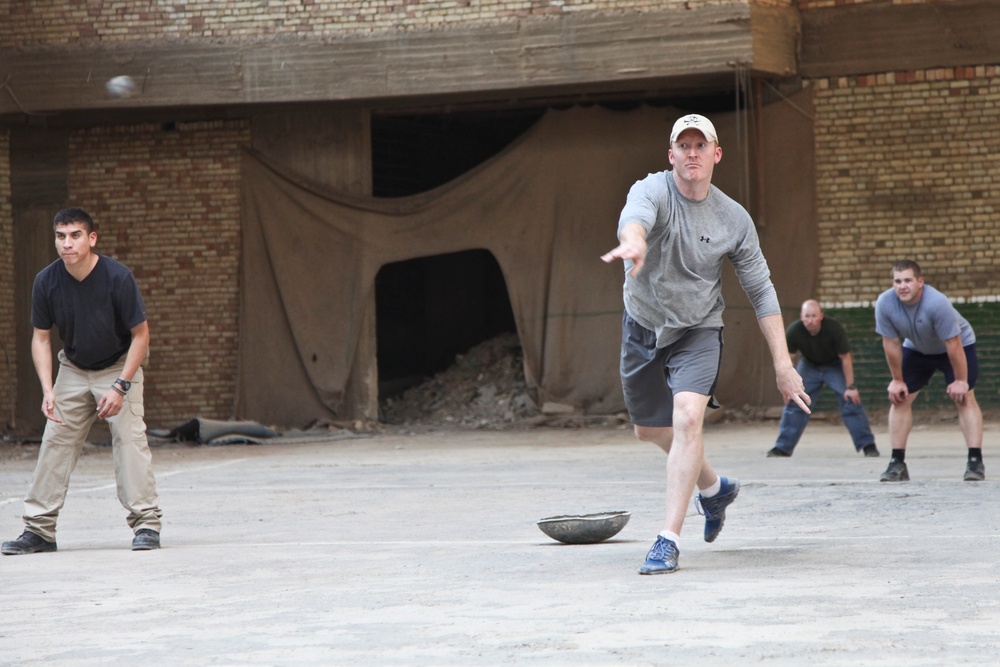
x,y
704,239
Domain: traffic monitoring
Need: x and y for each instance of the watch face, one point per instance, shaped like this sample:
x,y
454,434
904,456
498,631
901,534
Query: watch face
x,y
124,384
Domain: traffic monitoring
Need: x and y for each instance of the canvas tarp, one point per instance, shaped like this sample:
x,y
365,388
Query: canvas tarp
x,y
546,208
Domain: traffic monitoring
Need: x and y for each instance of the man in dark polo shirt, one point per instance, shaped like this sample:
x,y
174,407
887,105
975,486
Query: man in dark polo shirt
x,y
824,359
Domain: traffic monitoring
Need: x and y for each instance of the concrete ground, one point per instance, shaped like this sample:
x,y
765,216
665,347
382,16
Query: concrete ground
x,y
424,550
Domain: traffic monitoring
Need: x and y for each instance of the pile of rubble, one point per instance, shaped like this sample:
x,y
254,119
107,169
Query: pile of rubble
x,y
483,389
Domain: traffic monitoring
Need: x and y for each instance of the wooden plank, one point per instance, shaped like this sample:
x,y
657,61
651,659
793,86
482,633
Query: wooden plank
x,y
578,51
872,38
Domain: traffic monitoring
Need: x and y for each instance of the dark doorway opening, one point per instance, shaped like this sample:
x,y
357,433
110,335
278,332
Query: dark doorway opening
x,y
432,308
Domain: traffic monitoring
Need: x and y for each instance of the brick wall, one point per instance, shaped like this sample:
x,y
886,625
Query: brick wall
x,y
166,201
29,24
8,319
906,167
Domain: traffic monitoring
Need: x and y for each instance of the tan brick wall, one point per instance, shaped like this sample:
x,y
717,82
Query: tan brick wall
x,y
167,204
8,318
907,167
30,24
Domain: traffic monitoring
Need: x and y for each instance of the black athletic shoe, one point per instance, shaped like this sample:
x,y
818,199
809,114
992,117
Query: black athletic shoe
x,y
871,451
28,543
146,539
774,452
896,472
975,471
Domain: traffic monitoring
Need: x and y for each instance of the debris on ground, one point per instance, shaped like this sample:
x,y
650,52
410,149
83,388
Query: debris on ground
x,y
484,389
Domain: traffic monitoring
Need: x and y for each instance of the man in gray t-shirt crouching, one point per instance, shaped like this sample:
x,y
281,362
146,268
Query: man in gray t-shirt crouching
x,y
922,334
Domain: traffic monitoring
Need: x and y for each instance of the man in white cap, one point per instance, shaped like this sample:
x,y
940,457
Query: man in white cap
x,y
674,232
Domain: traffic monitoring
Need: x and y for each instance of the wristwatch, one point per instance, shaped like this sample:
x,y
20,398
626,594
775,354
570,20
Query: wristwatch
x,y
124,384
850,387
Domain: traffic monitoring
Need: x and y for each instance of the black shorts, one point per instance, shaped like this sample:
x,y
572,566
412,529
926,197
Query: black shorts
x,y
651,375
918,368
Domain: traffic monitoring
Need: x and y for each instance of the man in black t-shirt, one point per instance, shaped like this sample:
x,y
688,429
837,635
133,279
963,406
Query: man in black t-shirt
x,y
95,302
824,359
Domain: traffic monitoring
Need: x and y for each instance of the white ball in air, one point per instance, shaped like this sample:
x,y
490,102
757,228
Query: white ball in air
x,y
121,87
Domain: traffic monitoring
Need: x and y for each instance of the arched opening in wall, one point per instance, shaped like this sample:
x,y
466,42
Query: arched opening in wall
x,y
431,310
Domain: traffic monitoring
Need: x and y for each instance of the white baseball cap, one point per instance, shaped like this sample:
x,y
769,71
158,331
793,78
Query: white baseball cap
x,y
695,122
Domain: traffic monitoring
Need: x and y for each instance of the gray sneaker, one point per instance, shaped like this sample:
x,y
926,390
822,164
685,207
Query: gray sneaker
x,y
975,471
896,472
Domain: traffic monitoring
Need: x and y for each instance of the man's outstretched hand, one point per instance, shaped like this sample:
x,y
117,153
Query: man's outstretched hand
x,y
792,389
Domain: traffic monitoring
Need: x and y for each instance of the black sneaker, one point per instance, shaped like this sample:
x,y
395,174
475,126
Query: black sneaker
x,y
28,543
975,471
871,451
774,452
714,508
896,472
662,557
145,540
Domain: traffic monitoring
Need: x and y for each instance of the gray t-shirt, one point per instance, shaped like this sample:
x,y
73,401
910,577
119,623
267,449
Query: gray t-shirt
x,y
680,285
923,326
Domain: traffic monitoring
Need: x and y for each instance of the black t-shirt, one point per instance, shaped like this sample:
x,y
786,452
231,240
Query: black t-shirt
x,y
95,316
822,349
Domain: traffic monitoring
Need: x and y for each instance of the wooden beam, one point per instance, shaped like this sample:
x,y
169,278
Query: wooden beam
x,y
882,37
776,34
577,51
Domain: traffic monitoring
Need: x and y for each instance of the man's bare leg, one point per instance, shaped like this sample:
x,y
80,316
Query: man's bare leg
x,y
686,462
900,425
901,421
687,467
970,420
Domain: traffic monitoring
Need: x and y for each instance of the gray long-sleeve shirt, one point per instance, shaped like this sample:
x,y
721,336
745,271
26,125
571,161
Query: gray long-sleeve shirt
x,y
680,284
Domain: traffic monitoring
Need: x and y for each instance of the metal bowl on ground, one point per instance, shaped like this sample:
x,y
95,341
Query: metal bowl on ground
x,y
584,528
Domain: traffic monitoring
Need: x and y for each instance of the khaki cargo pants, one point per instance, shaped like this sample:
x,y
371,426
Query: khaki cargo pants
x,y
77,392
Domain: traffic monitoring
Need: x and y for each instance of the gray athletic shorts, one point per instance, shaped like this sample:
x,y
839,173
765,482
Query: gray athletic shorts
x,y
651,375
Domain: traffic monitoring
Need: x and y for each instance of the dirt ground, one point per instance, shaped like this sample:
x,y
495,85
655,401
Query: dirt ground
x,y
423,550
